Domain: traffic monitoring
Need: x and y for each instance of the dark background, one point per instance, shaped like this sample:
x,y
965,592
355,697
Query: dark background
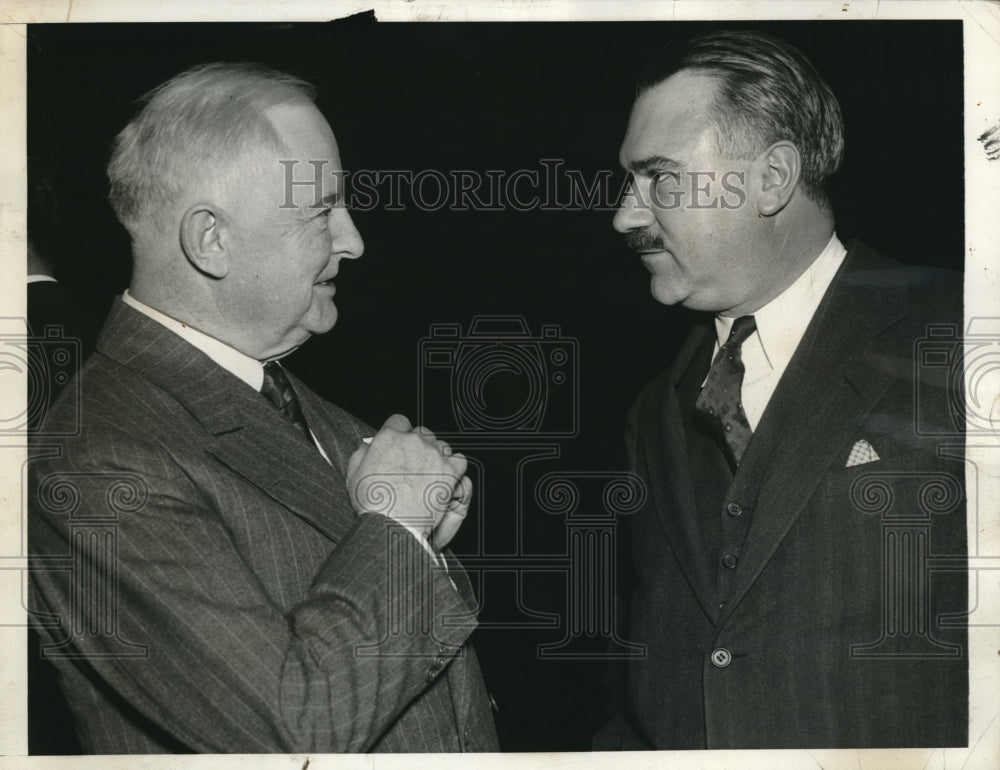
x,y
499,96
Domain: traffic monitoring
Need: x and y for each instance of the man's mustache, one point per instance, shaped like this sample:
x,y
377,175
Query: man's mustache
x,y
643,240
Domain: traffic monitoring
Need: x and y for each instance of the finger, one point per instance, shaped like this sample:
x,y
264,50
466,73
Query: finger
x,y
354,461
397,422
446,530
459,504
457,463
463,495
445,448
425,433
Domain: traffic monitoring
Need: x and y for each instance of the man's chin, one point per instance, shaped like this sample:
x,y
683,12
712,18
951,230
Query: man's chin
x,y
664,292
323,323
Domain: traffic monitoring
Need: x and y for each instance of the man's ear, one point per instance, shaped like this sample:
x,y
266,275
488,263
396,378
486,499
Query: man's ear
x,y
203,241
781,168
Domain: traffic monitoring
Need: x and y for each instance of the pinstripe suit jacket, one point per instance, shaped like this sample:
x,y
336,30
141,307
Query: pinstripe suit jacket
x,y
203,584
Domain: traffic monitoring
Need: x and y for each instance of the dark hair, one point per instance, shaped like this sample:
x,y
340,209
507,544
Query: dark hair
x,y
768,91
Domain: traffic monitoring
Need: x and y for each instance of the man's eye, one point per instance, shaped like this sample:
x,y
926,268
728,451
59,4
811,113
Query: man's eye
x,y
659,177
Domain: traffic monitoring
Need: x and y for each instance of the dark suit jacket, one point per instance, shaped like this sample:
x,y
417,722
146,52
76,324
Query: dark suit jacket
x,y
206,586
831,628
62,335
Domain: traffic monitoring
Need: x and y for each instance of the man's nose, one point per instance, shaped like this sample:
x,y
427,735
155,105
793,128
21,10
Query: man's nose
x,y
347,242
634,211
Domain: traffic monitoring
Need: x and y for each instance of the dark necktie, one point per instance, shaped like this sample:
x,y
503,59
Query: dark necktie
x,y
279,392
720,401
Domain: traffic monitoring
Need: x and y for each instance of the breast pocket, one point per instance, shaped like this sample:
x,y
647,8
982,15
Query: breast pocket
x,y
902,482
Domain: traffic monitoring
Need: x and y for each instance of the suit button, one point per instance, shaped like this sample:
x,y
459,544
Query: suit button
x,y
435,669
721,657
729,560
734,509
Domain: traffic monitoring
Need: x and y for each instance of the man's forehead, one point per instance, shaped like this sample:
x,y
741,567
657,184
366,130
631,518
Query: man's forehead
x,y
670,118
308,167
304,132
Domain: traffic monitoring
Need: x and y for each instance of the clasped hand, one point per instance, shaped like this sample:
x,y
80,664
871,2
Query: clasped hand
x,y
407,474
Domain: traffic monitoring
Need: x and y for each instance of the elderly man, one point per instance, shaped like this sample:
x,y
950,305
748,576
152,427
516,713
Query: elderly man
x,y
222,561
782,564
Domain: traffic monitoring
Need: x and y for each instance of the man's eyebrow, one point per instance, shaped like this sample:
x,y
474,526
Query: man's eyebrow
x,y
653,162
328,201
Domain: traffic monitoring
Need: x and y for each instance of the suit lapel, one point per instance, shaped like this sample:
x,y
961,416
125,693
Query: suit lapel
x,y
831,383
268,453
247,434
672,490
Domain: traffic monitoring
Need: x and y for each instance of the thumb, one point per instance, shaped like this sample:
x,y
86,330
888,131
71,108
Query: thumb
x,y
397,422
354,461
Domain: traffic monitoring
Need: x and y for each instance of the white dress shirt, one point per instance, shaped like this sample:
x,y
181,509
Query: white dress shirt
x,y
780,326
248,369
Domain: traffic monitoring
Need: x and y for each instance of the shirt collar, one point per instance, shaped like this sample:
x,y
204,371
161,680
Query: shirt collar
x,y
250,370
782,322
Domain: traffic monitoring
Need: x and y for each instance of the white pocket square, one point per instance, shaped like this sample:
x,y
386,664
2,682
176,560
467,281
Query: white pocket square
x,y
862,452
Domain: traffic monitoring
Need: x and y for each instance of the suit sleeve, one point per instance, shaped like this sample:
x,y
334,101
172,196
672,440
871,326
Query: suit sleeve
x,y
225,669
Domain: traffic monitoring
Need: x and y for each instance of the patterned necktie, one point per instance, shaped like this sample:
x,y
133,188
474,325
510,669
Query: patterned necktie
x,y
720,400
279,392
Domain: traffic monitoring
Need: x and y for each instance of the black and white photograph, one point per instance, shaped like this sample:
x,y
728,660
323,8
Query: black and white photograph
x,y
429,380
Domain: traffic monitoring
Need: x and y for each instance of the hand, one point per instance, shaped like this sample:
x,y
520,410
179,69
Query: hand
x,y
454,516
407,474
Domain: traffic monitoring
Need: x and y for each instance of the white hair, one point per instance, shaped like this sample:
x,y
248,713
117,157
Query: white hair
x,y
195,127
